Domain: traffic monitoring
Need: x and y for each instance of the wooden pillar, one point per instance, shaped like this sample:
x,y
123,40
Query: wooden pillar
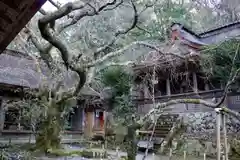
x,y
168,87
131,91
89,123
206,87
2,116
225,136
218,133
146,91
195,84
221,85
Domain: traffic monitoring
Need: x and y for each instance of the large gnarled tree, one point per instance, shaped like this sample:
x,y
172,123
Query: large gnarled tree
x,y
55,99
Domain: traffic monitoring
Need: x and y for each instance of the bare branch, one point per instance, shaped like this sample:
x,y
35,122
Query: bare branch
x,y
135,20
33,39
143,29
232,77
86,13
47,58
231,112
120,32
120,51
148,6
120,64
50,35
107,4
78,17
114,7
82,79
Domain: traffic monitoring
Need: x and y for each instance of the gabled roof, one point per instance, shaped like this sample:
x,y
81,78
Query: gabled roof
x,y
187,44
227,27
209,32
14,15
209,37
184,28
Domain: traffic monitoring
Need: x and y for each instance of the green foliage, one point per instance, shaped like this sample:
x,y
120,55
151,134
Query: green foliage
x,y
50,128
15,152
117,78
217,61
120,81
84,153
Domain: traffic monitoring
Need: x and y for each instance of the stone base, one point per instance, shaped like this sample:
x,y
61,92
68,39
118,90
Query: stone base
x,y
192,147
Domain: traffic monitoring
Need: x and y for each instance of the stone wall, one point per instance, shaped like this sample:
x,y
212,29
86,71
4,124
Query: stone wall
x,y
200,136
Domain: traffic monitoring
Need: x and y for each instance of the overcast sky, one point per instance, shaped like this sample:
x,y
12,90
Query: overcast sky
x,y
49,7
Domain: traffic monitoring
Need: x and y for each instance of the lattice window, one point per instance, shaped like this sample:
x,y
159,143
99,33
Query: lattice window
x,y
237,98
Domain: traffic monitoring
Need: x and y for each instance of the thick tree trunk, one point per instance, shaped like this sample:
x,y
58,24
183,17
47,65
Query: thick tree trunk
x,y
132,141
50,130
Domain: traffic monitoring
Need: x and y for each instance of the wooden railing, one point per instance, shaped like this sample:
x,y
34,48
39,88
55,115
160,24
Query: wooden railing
x,y
200,95
232,101
203,95
26,132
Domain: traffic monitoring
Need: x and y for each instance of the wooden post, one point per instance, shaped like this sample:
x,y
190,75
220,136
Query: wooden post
x,y
204,156
117,151
2,116
221,85
206,87
146,91
225,136
168,87
170,154
195,84
223,157
184,155
218,132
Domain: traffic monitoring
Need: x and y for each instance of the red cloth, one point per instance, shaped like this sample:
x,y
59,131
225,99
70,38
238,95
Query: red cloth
x,y
101,118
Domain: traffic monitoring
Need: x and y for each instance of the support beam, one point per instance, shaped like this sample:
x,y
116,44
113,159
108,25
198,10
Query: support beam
x,y
224,116
195,83
218,132
168,87
2,116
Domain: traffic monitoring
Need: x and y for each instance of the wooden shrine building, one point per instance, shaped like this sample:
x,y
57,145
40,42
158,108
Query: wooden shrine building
x,y
176,77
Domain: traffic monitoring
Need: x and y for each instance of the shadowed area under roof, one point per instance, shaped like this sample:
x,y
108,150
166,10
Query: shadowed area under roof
x,y
14,15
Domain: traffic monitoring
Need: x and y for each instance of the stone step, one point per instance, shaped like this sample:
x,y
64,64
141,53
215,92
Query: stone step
x,y
169,115
167,125
161,132
163,129
167,120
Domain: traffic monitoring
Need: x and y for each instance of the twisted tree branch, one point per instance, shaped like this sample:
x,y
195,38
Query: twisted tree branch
x,y
232,77
49,35
120,32
118,52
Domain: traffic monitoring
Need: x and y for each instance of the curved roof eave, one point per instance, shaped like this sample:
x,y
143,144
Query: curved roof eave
x,y
14,15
